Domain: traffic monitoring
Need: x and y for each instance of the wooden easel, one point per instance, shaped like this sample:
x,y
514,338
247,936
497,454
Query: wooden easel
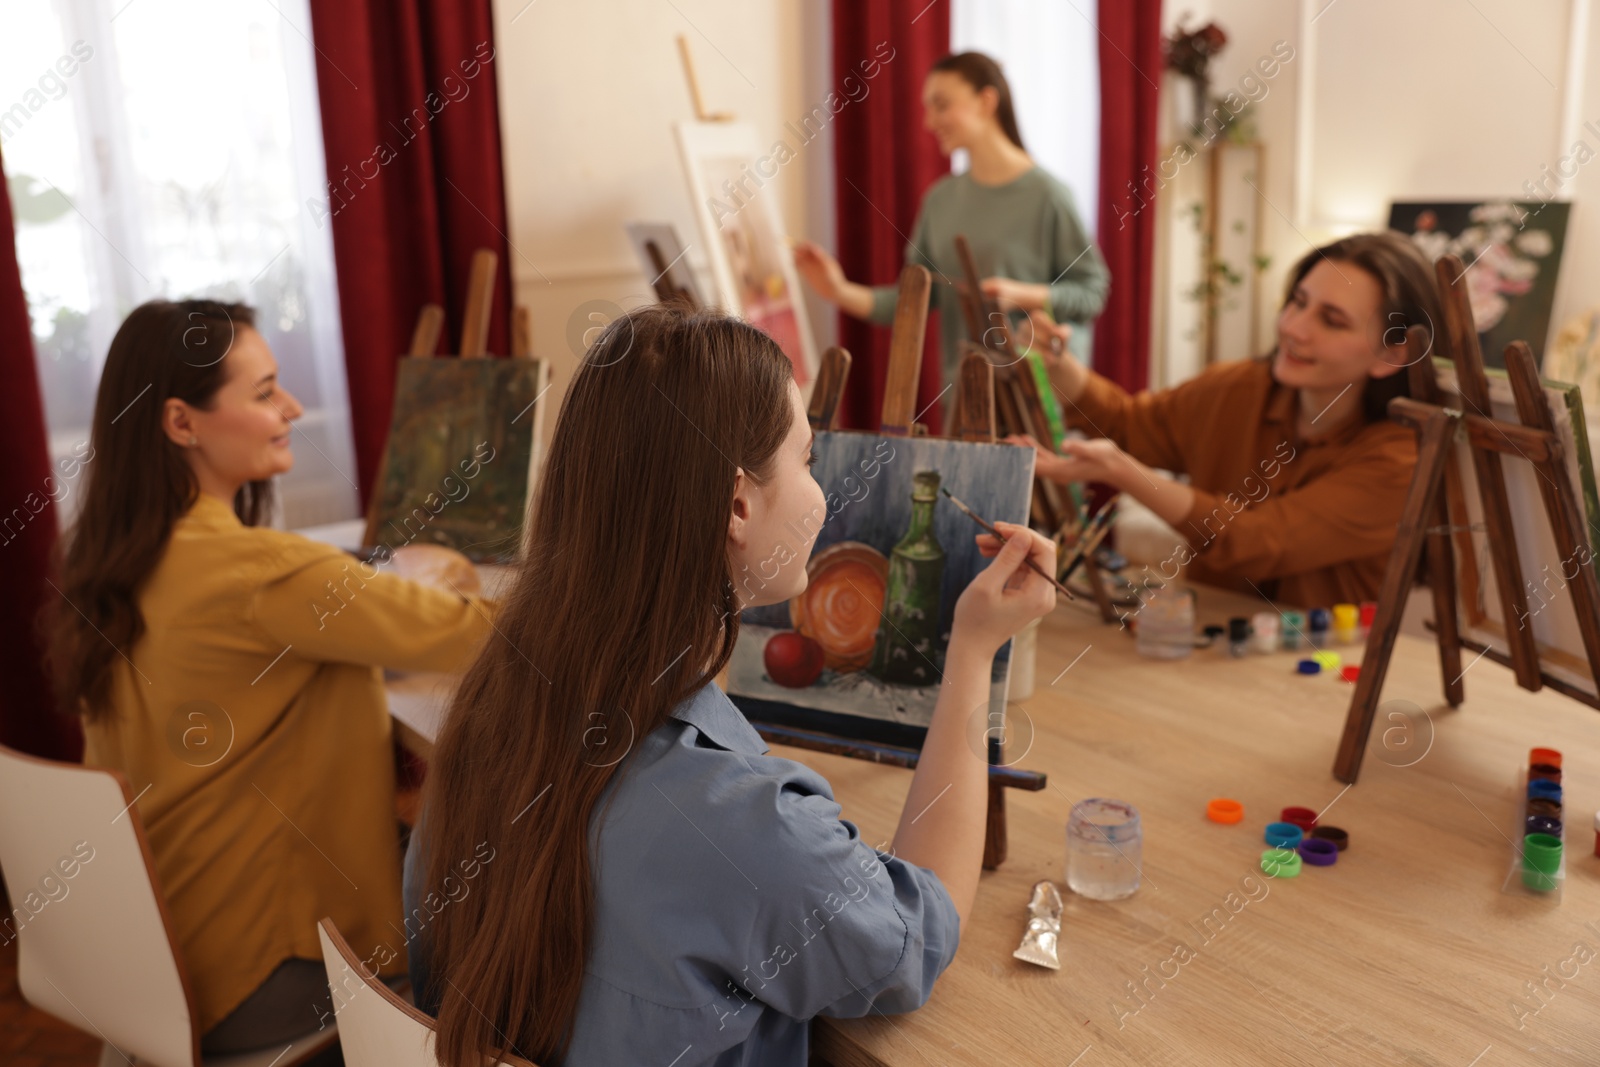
x,y
975,422
474,345
666,291
1018,407
700,112
1426,517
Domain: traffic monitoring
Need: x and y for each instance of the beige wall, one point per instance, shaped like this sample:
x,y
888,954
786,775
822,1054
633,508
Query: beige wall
x,y
588,96
1418,99
1383,100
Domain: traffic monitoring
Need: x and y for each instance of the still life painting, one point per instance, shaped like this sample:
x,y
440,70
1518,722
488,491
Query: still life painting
x,y
861,651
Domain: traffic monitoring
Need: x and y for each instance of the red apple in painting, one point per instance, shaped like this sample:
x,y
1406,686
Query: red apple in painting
x,y
792,659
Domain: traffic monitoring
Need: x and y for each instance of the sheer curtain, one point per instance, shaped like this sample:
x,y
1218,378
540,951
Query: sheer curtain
x,y
169,148
1049,52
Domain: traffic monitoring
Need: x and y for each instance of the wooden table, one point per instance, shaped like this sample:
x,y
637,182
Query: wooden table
x,y
1405,951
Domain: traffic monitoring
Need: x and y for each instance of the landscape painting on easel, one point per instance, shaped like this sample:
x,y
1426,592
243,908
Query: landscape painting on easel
x,y
460,463
1512,250
744,236
1546,574
860,653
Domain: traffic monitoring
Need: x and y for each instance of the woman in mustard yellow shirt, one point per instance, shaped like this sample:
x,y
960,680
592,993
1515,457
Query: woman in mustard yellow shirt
x,y
230,671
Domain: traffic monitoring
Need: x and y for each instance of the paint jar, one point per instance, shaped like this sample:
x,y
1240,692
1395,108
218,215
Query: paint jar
x,y
1369,611
1294,630
1024,654
1238,636
1541,824
1264,631
1542,789
1166,624
1547,771
1345,620
1317,627
1541,861
1104,849
1551,808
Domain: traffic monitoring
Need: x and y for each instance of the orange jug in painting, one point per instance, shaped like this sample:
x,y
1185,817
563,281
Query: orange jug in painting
x,y
842,603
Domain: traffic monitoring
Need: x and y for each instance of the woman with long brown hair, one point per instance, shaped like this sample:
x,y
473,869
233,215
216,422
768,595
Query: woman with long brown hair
x,y
230,672
1021,221
1296,476
660,888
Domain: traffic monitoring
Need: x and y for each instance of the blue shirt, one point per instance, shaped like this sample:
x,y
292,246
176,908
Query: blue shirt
x,y
733,905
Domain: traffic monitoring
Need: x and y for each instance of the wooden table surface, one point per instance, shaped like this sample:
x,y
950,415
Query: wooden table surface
x,y
1405,951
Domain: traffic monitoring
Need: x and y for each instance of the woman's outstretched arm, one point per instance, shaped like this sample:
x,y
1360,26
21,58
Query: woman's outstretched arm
x,y
943,822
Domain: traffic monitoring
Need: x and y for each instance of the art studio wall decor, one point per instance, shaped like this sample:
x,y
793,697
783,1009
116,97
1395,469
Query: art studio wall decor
x,y
1512,251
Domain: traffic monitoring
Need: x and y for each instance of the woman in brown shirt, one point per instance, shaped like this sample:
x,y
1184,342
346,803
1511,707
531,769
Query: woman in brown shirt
x,y
1296,477
230,671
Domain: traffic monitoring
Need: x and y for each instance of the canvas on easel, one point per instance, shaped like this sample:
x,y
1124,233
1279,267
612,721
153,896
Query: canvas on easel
x,y
845,609
1480,467
864,645
465,434
729,184
1546,575
860,652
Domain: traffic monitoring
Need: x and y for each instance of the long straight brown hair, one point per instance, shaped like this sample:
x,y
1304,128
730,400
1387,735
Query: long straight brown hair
x,y
981,72
136,488
623,607
1410,298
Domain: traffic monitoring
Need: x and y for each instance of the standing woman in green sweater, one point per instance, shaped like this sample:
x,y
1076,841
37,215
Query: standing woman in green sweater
x,y
1021,222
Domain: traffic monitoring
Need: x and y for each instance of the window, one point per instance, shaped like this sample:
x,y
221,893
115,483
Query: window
x,y
1050,52
168,148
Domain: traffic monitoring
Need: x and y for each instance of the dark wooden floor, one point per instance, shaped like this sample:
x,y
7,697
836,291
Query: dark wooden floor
x,y
30,1038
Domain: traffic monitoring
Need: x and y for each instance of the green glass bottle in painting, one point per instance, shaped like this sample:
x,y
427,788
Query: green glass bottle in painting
x,y
908,650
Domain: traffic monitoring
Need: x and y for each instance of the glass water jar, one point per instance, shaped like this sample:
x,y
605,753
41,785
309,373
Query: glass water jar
x,y
1103,849
1165,624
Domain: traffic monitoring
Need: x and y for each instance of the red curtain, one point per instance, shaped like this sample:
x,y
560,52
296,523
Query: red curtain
x,y
1130,77
27,526
884,162
411,130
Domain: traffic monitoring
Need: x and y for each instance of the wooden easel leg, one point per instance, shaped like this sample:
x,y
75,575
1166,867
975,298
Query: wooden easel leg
x,y
905,352
1474,387
1421,505
1560,504
1441,558
975,399
1442,577
832,374
994,838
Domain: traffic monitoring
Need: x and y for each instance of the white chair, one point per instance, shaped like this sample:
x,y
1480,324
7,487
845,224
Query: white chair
x,y
376,1027
100,955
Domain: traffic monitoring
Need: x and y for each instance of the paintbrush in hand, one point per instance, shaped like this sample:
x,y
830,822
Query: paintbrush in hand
x,y
988,526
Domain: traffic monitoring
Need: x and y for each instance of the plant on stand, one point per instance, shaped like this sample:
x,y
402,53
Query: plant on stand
x,y
1189,52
